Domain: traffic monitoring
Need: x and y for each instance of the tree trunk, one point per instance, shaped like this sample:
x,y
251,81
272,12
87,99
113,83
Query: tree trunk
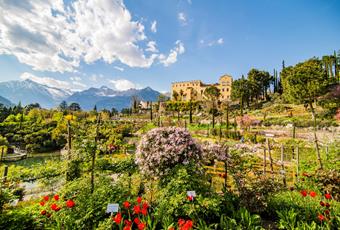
x,y
283,167
241,105
315,137
213,120
227,120
151,115
264,161
297,163
190,114
270,159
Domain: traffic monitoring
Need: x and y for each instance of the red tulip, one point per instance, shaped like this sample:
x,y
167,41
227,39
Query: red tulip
x,y
145,205
322,203
136,209
321,217
46,198
127,227
118,218
141,226
42,203
305,174
312,194
190,198
139,200
327,212
70,203
144,211
328,196
56,197
304,193
127,223
54,206
136,220
328,205
181,222
126,204
43,212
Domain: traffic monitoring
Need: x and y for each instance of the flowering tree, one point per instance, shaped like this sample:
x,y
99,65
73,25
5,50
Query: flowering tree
x,y
162,148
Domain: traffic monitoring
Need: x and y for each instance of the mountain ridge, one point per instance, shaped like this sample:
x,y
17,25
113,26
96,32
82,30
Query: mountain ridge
x,y
28,91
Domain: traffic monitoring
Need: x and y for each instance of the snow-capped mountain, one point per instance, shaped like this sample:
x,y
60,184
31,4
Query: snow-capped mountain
x,y
106,98
28,91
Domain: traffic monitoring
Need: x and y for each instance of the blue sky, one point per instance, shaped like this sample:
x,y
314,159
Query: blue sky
x,y
112,42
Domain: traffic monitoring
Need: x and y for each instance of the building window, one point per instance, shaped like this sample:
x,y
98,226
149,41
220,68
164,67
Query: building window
x,y
227,89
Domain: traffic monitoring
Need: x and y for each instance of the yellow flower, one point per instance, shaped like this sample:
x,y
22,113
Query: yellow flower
x,y
69,117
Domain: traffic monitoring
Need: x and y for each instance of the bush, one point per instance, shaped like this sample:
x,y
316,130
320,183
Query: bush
x,y
163,148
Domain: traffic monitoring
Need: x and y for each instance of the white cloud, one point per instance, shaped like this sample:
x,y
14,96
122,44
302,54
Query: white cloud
x,y
219,41
172,58
182,18
51,82
190,2
123,84
49,35
154,27
152,47
75,78
119,68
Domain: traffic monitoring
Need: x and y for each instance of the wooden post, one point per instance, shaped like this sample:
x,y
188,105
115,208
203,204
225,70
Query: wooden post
x,y
270,158
220,130
297,163
283,167
264,161
5,174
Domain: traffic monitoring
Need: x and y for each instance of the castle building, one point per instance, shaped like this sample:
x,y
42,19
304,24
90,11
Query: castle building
x,y
194,90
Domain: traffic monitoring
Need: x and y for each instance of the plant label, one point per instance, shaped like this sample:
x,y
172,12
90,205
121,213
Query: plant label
x,y
191,193
112,208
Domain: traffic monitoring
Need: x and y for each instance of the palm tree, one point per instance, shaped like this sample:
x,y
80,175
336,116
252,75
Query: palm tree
x,y
175,95
193,98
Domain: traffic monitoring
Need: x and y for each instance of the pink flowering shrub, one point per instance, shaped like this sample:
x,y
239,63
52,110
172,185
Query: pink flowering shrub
x,y
162,148
213,151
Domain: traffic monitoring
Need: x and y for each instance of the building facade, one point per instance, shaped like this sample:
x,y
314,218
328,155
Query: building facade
x,y
194,90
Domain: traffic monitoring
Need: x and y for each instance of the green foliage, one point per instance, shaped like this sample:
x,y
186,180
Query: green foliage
x,y
73,170
241,219
172,198
254,196
305,81
89,210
